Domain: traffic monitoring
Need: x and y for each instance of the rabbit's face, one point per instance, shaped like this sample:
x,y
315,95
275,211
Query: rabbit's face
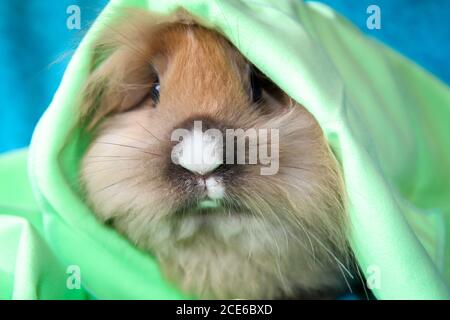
x,y
200,159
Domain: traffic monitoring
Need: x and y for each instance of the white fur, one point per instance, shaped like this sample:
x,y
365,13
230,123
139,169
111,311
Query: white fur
x,y
199,152
215,188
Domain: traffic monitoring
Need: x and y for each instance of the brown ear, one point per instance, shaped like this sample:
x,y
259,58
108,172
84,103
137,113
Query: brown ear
x,y
118,84
121,72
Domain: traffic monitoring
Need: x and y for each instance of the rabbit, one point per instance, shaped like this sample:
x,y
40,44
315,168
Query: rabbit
x,y
218,229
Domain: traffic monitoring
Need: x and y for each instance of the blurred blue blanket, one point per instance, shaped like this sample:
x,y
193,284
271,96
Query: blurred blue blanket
x,y
34,39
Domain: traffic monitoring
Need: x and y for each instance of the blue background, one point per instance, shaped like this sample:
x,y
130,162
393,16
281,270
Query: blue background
x,y
35,46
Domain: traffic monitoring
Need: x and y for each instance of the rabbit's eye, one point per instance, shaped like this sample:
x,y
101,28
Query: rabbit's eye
x,y
154,93
255,86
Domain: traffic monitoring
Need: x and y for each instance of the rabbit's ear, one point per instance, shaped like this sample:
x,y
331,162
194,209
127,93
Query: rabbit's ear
x,y
122,65
117,84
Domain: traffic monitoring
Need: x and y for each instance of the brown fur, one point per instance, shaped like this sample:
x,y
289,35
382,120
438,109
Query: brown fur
x,y
276,235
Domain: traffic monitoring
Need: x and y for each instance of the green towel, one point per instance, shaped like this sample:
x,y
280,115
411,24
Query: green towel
x,y
387,120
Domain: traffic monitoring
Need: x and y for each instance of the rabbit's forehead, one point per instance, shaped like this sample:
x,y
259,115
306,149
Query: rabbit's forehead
x,y
194,49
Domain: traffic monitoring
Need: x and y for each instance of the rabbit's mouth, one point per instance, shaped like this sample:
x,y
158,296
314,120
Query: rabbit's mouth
x,y
207,207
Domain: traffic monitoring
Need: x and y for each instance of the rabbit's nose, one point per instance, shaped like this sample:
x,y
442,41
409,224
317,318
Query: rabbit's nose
x,y
199,152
